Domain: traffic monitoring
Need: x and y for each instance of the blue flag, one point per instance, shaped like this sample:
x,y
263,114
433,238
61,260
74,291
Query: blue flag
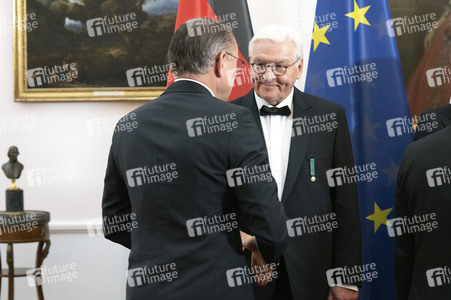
x,y
354,61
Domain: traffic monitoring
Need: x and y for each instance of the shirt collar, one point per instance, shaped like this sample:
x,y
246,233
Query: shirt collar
x,y
286,102
198,82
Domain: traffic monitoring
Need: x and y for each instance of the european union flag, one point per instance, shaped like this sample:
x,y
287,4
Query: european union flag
x,y
354,61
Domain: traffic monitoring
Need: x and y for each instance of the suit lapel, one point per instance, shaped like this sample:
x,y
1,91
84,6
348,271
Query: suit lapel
x,y
302,107
250,103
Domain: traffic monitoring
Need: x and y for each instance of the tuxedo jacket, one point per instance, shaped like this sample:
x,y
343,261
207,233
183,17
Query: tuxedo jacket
x,y
443,119
423,257
310,254
170,175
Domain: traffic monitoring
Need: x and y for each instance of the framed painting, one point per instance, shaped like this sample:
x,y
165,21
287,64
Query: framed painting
x,y
91,50
421,29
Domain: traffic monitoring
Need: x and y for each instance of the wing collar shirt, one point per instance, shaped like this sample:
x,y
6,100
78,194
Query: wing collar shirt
x,y
277,132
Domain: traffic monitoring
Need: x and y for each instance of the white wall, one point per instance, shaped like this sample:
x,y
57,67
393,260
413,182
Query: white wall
x,y
56,137
297,14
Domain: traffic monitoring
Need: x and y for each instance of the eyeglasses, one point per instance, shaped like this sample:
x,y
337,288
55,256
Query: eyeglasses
x,y
238,60
277,69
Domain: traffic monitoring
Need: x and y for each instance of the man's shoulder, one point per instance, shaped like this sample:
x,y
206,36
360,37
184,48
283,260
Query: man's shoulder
x,y
222,107
442,111
179,99
426,145
244,99
309,99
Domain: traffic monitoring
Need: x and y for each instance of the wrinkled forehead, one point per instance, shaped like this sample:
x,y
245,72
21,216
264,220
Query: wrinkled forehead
x,y
269,49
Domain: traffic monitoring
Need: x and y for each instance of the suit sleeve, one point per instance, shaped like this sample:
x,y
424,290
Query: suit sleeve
x,y
261,210
404,244
115,203
347,237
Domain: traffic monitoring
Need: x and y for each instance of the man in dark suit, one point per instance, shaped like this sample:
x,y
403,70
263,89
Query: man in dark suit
x,y
422,227
433,121
305,137
169,178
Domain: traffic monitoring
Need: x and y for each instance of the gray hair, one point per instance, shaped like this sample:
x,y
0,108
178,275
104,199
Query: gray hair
x,y
196,43
277,34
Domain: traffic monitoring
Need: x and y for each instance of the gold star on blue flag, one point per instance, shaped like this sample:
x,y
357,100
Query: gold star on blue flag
x,y
361,70
359,15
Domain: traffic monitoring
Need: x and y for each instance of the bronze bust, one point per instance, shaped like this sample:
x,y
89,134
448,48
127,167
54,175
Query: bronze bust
x,y
13,168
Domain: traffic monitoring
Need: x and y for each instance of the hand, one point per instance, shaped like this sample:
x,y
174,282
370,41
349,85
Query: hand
x,y
249,242
261,269
341,293
258,264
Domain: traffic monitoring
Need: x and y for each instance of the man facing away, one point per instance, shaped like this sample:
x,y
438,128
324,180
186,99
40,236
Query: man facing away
x,y
433,121
307,139
170,178
422,226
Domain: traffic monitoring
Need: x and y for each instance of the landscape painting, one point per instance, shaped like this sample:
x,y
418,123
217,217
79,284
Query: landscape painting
x,y
92,50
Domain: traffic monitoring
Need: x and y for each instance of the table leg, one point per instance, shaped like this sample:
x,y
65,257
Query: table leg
x,y
40,256
0,271
10,262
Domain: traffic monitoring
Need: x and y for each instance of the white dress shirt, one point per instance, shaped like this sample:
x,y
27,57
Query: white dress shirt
x,y
277,132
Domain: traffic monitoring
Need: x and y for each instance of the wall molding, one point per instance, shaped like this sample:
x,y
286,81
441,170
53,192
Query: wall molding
x,y
77,227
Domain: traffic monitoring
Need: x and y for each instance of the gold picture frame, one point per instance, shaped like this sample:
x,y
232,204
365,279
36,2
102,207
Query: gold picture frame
x,y
29,15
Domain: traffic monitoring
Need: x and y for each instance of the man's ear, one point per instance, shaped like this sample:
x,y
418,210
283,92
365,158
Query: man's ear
x,y
220,64
300,67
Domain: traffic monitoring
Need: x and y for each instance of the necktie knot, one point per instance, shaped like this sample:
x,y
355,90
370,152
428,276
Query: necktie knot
x,y
271,111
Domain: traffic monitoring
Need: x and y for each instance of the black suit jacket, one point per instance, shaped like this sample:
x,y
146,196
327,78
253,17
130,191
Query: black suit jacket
x,y
421,251
310,255
167,226
428,126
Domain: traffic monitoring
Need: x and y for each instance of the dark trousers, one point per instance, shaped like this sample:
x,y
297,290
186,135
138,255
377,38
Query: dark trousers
x,y
282,290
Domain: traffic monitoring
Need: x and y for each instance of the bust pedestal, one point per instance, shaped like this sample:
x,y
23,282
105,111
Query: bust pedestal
x,y
27,227
14,200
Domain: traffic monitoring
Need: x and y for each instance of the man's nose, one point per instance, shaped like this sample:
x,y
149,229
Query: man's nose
x,y
269,74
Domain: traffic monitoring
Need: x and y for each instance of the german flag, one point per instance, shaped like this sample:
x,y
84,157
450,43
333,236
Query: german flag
x,y
234,13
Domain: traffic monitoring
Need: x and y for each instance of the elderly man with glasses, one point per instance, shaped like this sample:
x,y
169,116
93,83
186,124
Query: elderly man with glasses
x,y
308,143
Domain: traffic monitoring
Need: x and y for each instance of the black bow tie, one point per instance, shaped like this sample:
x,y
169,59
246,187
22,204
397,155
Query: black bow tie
x,y
268,111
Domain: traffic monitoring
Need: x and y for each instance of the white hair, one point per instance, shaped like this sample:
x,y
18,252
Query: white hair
x,y
274,33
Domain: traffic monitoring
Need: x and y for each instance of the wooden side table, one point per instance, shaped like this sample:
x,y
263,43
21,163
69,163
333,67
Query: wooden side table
x,y
28,227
